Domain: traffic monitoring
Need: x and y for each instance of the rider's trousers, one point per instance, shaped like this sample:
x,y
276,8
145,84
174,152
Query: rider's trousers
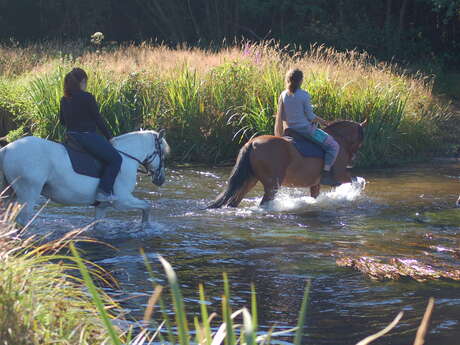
x,y
326,141
101,148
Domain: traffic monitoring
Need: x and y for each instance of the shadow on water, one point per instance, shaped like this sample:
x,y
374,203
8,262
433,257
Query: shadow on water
x,y
402,212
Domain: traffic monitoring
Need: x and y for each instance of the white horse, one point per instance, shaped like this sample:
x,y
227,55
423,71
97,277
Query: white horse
x,y
35,166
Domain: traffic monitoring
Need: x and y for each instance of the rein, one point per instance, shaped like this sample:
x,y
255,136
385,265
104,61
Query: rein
x,y
149,159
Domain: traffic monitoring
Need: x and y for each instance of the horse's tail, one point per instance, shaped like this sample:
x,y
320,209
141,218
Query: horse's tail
x,y
240,178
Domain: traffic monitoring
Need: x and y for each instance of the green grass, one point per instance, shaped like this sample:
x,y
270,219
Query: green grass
x,y
212,102
41,300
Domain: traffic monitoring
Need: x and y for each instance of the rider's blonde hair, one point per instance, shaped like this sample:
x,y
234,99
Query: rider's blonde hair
x,y
293,80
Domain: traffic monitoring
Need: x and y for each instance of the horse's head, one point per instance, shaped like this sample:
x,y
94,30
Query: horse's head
x,y
350,134
156,161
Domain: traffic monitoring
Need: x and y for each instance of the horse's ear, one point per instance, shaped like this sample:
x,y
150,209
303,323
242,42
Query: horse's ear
x,y
162,133
364,123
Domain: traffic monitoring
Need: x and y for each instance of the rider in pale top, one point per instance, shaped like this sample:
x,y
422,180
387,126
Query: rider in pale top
x,y
296,112
80,115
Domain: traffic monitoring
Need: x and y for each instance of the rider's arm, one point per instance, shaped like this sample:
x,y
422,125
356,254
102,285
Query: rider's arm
x,y
308,109
279,118
311,116
94,109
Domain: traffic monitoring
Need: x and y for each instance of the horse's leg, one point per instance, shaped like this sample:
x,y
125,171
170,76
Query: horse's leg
x,y
271,186
146,215
272,183
100,212
269,194
314,191
132,203
27,195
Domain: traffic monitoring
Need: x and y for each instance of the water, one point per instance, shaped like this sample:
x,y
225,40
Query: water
x,y
401,212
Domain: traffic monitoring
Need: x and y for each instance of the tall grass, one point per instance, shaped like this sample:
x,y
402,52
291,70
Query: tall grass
x,y
41,301
211,102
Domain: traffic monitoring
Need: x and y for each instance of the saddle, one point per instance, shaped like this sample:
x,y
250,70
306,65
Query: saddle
x,y
306,148
82,162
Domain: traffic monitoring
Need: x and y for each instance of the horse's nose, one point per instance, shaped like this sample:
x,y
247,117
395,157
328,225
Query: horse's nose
x,y
458,202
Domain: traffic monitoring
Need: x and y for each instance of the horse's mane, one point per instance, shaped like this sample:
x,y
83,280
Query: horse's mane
x,y
335,125
119,139
123,137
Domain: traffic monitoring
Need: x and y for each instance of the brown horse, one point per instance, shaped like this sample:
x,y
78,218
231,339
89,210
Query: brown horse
x,y
275,162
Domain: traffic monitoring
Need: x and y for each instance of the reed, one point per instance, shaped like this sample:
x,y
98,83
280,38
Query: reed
x,y
210,102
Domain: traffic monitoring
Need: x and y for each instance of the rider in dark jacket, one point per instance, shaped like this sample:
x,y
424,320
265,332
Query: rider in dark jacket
x,y
80,115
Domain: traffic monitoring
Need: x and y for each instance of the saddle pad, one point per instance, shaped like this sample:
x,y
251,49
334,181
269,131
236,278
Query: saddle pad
x,y
306,147
83,163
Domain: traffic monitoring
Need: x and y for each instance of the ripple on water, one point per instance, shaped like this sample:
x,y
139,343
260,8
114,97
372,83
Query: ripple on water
x,y
294,239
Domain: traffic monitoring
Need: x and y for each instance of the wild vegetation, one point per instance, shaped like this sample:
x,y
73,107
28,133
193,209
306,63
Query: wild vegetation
x,y
211,102
413,30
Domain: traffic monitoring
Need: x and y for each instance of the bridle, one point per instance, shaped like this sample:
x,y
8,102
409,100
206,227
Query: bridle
x,y
158,152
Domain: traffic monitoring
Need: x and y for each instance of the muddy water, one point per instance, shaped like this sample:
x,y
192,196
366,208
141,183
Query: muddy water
x,y
404,213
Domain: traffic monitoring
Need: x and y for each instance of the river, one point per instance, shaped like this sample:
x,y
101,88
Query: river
x,y
405,212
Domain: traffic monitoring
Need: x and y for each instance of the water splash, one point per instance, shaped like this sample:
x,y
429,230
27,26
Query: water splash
x,y
295,199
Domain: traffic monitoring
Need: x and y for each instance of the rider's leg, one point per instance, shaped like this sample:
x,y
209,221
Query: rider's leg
x,y
104,151
326,141
332,150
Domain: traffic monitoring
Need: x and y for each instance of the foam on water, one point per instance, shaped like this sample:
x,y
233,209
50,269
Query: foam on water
x,y
294,199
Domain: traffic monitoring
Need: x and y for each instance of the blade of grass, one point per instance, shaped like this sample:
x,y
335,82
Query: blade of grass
x,y
423,328
302,316
204,316
384,331
169,329
255,321
230,339
178,302
96,297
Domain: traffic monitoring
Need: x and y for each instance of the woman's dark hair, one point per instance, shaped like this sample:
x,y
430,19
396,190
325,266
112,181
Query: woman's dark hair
x,y
294,78
72,81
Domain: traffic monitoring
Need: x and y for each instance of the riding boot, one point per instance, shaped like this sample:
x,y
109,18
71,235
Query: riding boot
x,y
328,179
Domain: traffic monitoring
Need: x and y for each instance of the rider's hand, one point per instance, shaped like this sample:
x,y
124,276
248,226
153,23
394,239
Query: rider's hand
x,y
319,120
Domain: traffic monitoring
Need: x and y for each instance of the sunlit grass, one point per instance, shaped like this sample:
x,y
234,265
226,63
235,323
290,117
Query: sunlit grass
x,y
210,102
41,301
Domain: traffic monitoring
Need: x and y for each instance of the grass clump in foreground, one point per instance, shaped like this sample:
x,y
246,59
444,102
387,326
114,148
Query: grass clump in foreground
x,y
41,302
212,101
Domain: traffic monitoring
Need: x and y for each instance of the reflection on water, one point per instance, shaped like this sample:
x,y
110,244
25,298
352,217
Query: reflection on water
x,y
404,212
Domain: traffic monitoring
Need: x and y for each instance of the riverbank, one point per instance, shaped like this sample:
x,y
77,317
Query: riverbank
x,y
210,102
